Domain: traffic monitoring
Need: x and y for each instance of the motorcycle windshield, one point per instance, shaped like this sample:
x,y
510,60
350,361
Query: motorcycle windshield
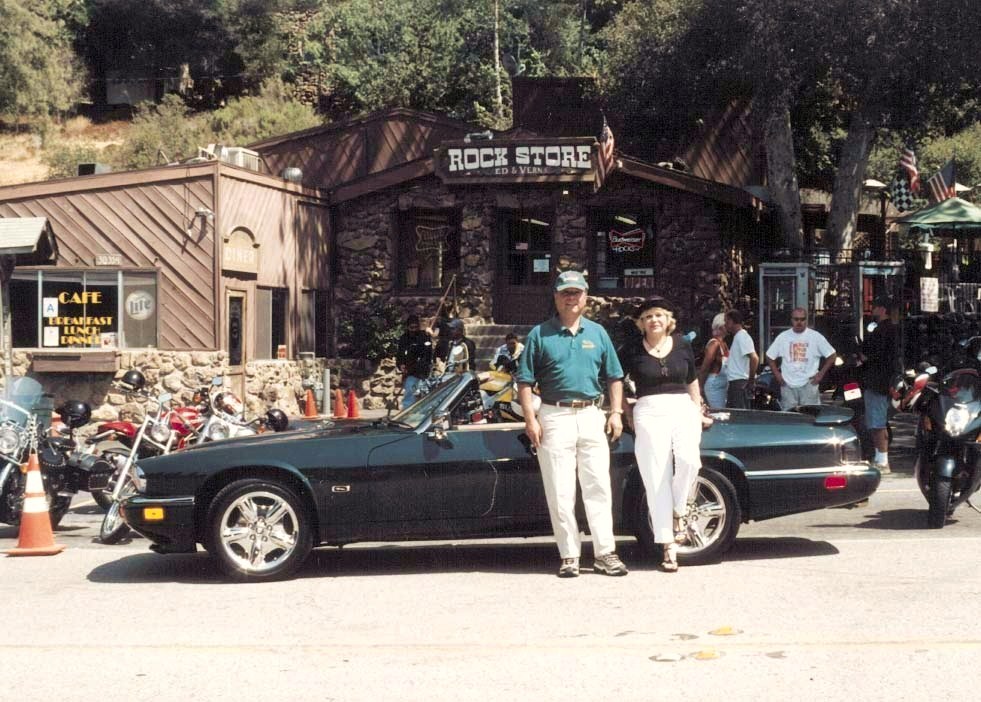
x,y
23,396
963,386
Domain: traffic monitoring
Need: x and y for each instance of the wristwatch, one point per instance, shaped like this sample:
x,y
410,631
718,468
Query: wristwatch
x,y
616,411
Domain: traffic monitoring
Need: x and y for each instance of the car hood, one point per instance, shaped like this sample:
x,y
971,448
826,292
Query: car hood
x,y
823,415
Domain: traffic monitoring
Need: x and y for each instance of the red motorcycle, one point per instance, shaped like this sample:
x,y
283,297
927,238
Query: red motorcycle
x,y
114,440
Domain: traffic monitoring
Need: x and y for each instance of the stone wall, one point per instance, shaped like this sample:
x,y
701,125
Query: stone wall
x,y
268,384
701,255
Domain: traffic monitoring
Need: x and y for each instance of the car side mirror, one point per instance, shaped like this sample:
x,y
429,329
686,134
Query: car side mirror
x,y
441,422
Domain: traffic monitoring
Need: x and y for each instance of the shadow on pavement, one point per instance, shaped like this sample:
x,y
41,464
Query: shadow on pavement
x,y
154,568
760,548
895,520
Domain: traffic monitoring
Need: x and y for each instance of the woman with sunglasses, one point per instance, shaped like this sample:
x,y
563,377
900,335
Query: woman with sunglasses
x,y
667,421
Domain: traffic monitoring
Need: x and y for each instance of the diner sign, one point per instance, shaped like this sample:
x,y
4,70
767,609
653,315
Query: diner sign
x,y
531,160
240,253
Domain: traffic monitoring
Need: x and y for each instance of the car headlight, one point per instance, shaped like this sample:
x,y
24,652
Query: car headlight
x,y
957,419
217,431
9,440
160,433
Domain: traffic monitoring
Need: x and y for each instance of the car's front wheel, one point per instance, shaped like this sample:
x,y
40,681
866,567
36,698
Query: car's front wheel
x,y
259,530
712,522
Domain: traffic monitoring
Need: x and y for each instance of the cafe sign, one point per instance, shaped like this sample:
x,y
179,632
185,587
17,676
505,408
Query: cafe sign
x,y
531,160
240,253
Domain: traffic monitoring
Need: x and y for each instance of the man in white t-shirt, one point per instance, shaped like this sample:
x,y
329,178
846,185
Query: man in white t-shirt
x,y
741,366
799,351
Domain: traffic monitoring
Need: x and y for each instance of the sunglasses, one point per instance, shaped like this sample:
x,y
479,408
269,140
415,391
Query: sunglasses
x,y
798,319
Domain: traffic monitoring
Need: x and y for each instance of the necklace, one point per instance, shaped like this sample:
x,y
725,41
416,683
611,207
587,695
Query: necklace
x,y
659,349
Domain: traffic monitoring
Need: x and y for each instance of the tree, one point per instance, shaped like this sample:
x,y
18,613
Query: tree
x,y
40,75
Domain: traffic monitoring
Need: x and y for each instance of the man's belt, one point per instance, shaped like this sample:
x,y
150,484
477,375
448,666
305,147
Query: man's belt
x,y
576,404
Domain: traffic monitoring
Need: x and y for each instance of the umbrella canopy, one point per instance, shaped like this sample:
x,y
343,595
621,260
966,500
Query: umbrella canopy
x,y
952,213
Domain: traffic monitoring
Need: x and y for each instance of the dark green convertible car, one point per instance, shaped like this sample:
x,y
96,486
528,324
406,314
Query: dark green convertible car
x,y
441,470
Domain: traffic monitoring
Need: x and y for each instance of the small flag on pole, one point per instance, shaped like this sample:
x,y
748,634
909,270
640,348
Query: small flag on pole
x,y
605,158
940,187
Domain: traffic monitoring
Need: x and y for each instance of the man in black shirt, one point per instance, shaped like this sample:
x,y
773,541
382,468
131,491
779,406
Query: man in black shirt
x,y
414,357
881,363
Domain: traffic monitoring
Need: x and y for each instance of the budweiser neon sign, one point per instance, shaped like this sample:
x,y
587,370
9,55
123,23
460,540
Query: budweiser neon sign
x,y
627,242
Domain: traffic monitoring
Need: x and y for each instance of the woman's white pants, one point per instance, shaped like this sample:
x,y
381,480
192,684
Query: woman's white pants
x,y
668,431
574,438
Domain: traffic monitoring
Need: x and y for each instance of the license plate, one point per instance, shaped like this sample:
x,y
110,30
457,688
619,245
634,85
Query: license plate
x,y
852,392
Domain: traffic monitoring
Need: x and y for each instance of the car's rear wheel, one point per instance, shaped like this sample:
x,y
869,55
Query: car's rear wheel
x,y
258,530
712,522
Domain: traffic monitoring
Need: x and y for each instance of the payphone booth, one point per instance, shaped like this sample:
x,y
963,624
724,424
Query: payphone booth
x,y
838,297
783,287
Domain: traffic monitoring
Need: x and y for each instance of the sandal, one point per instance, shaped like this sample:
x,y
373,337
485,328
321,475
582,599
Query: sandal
x,y
670,560
680,530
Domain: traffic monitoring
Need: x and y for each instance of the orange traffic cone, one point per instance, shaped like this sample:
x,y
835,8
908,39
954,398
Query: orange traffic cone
x,y
340,410
352,405
311,405
36,537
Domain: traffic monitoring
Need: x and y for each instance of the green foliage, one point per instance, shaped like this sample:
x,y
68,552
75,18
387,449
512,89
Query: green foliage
x,y
254,117
62,159
371,333
162,133
39,74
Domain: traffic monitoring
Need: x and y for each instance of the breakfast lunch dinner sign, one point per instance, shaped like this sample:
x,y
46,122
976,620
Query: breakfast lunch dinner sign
x,y
533,160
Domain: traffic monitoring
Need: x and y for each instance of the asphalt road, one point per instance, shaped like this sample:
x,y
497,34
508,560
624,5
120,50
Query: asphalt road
x,y
858,603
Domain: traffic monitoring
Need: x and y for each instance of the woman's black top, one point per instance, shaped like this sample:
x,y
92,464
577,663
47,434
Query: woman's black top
x,y
659,376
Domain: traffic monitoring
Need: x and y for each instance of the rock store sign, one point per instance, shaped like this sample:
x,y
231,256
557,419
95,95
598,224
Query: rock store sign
x,y
534,160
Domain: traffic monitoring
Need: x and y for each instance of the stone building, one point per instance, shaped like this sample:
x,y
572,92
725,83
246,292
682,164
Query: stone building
x,y
246,263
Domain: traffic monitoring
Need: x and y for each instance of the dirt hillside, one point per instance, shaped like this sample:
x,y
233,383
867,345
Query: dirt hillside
x,y
22,155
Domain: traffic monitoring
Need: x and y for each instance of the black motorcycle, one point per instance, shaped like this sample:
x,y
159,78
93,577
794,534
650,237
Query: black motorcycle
x,y
24,427
948,452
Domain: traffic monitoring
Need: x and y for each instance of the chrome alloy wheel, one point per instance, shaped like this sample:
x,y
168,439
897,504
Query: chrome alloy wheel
x,y
707,517
258,531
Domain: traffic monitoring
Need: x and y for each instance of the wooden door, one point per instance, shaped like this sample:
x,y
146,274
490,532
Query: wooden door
x,y
526,264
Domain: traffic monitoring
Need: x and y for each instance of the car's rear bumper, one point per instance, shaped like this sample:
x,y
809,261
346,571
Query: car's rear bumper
x,y
171,529
775,493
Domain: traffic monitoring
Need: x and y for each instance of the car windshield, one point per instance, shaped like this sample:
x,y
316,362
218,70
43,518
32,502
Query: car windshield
x,y
422,409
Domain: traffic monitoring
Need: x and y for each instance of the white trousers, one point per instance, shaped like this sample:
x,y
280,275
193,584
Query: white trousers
x,y
668,432
571,438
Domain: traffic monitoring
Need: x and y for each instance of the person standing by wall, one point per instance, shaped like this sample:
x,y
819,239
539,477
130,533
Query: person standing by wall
x,y
743,360
569,357
712,376
414,356
667,419
881,362
456,350
800,350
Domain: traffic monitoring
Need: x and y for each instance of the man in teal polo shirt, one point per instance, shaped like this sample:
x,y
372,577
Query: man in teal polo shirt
x,y
569,357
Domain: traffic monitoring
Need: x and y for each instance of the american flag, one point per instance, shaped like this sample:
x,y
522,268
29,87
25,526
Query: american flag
x,y
606,147
941,186
907,161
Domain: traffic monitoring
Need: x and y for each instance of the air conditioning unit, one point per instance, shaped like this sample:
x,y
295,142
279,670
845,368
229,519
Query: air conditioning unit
x,y
241,157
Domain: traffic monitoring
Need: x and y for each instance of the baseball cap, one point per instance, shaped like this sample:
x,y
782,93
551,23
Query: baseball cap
x,y
570,279
885,301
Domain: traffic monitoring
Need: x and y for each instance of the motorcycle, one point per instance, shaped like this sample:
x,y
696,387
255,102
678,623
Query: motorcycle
x,y
172,428
114,441
24,428
947,449
499,394
765,394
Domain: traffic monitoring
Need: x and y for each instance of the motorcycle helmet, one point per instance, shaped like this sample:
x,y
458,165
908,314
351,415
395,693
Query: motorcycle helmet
x,y
277,420
897,392
74,413
132,380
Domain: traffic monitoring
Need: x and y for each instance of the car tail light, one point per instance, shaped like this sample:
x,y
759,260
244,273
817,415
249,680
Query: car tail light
x,y
838,481
852,391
